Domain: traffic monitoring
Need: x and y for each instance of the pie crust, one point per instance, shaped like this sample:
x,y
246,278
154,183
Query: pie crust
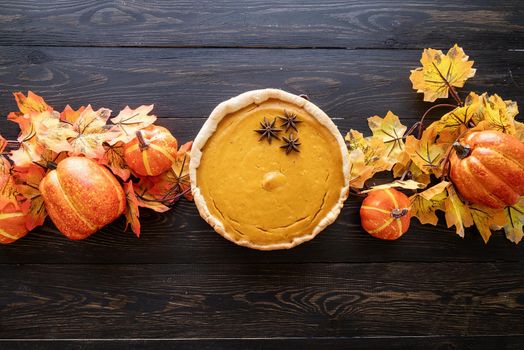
x,y
250,177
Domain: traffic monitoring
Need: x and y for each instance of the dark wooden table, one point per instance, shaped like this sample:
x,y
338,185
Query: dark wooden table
x,y
181,285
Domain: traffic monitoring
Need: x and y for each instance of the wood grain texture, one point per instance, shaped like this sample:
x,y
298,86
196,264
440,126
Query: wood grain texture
x,y
258,300
336,343
334,23
185,86
187,83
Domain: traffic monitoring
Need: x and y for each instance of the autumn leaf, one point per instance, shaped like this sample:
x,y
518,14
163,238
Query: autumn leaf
x,y
391,131
3,144
91,132
7,185
160,192
425,204
497,114
29,196
31,103
425,153
484,218
366,157
132,213
69,115
128,121
458,214
440,72
54,134
453,124
113,157
405,184
514,219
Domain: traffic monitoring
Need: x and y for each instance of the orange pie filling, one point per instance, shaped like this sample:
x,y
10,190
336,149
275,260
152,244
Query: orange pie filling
x,y
259,193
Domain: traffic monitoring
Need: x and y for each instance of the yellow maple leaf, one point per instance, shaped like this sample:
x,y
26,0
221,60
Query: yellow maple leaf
x,y
128,121
425,204
425,153
366,157
440,72
391,131
497,114
458,214
514,219
31,103
454,123
405,184
484,218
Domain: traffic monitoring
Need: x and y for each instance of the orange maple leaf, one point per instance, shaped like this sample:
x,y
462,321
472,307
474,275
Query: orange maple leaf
x,y
132,212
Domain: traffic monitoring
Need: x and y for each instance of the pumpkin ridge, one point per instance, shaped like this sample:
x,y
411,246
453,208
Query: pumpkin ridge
x,y
506,157
377,209
118,189
486,191
161,150
145,160
73,206
392,197
383,226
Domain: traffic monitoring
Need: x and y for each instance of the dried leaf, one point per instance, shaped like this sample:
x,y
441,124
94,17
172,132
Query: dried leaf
x,y
69,115
425,204
406,184
514,219
458,214
497,114
132,213
128,121
7,185
31,103
113,157
485,217
29,196
3,144
91,132
453,124
439,72
391,131
425,153
367,157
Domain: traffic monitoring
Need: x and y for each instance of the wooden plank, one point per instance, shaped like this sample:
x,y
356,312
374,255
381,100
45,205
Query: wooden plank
x,y
347,84
181,235
358,343
188,84
259,301
334,23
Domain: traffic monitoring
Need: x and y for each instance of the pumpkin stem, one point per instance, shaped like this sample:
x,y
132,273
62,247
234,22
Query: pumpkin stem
x,y
142,142
462,150
398,213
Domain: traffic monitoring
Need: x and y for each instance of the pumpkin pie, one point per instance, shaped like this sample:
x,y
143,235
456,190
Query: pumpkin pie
x,y
269,170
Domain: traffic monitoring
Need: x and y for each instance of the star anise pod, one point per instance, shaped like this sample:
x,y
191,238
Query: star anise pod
x,y
290,144
289,120
268,130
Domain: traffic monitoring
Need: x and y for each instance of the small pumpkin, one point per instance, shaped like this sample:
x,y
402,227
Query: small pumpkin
x,y
487,167
152,152
81,197
385,214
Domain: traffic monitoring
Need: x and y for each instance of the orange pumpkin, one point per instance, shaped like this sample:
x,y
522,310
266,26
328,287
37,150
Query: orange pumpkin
x,y
152,152
12,224
487,167
385,214
81,197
